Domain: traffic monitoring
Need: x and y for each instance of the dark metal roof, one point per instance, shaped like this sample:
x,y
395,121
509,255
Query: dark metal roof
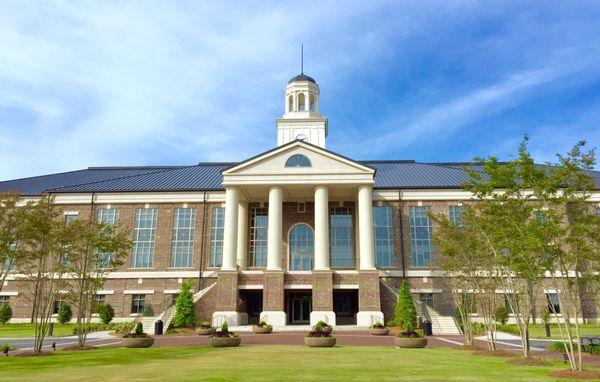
x,y
302,77
207,177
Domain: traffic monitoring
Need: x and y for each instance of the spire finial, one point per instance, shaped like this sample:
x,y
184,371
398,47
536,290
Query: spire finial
x,y
302,58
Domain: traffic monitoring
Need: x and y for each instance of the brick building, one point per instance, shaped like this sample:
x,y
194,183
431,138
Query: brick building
x,y
294,235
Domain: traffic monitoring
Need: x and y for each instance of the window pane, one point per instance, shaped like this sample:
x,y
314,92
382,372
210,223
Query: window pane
x,y
341,239
259,223
144,233
216,236
420,236
301,248
383,234
184,221
107,217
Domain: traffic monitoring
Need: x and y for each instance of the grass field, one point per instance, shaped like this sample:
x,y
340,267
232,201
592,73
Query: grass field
x,y
251,363
538,330
26,330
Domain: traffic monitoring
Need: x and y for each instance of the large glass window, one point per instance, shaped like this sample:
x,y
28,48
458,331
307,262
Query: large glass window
x,y
341,238
144,235
301,248
108,217
184,222
297,160
456,214
4,300
553,302
138,303
259,226
216,236
384,237
420,236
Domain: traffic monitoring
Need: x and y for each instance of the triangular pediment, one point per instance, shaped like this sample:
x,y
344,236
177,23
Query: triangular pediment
x,y
270,167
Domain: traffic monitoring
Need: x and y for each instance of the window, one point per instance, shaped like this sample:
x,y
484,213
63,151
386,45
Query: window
x,y
426,299
144,233
456,215
290,103
4,300
301,102
514,299
108,217
56,306
174,298
384,237
301,248
341,237
216,236
138,303
184,222
312,103
420,236
553,302
539,216
259,226
297,160
70,216
99,299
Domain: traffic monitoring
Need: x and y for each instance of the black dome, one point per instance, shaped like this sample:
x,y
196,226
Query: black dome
x,y
302,77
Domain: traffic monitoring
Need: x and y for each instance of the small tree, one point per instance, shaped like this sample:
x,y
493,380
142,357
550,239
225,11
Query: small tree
x,y
406,314
11,231
64,314
501,315
5,313
184,307
106,313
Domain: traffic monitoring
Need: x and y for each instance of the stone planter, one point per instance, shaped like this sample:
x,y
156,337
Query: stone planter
x,y
205,331
379,331
327,330
224,342
407,342
140,342
319,342
262,329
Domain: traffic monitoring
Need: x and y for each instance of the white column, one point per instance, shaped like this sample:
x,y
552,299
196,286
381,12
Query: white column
x,y
242,235
365,227
274,230
321,228
232,198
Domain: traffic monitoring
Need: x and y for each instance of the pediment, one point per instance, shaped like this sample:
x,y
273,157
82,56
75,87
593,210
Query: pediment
x,y
324,164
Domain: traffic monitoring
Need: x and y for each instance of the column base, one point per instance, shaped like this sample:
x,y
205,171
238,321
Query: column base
x,y
326,317
368,318
232,318
275,318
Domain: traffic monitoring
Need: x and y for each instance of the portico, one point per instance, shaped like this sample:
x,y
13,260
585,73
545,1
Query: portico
x,y
337,190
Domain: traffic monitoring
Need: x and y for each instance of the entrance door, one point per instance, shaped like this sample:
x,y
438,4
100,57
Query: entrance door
x,y
300,308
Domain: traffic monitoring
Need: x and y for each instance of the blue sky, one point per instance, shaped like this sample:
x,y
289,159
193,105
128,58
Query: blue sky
x,y
100,83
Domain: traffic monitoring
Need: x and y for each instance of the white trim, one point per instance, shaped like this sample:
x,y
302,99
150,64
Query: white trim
x,y
297,286
138,291
251,272
139,197
105,292
7,293
250,286
172,291
546,291
71,212
425,290
345,286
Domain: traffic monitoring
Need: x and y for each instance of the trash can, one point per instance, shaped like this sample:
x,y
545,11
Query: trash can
x,y
158,328
427,328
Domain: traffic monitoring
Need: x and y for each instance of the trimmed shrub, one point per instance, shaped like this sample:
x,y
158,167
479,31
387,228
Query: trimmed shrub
x,y
106,313
501,315
139,329
64,314
5,313
185,314
405,314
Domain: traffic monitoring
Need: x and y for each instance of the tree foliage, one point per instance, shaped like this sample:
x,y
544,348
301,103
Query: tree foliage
x,y
405,314
5,313
64,314
185,315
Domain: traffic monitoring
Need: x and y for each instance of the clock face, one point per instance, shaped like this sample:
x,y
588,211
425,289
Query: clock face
x,y
301,137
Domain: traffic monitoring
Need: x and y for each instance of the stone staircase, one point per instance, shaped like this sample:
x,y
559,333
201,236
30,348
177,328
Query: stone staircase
x,y
439,324
167,315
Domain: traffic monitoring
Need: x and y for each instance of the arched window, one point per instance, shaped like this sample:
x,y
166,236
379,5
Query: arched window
x,y
313,103
301,248
297,160
301,102
291,103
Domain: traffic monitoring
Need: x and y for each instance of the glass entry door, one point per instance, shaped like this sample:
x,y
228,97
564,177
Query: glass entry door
x,y
300,306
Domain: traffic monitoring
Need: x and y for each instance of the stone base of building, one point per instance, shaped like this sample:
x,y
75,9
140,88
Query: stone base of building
x,y
232,318
368,318
274,318
327,317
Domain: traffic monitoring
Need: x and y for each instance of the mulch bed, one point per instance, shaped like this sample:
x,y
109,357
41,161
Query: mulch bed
x,y
583,375
529,361
76,347
29,353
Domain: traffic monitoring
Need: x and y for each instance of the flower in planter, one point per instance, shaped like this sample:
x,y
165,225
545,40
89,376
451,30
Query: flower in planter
x,y
138,333
224,332
378,325
411,334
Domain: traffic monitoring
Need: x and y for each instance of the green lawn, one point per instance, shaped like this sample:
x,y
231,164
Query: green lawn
x,y
285,363
538,330
26,330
